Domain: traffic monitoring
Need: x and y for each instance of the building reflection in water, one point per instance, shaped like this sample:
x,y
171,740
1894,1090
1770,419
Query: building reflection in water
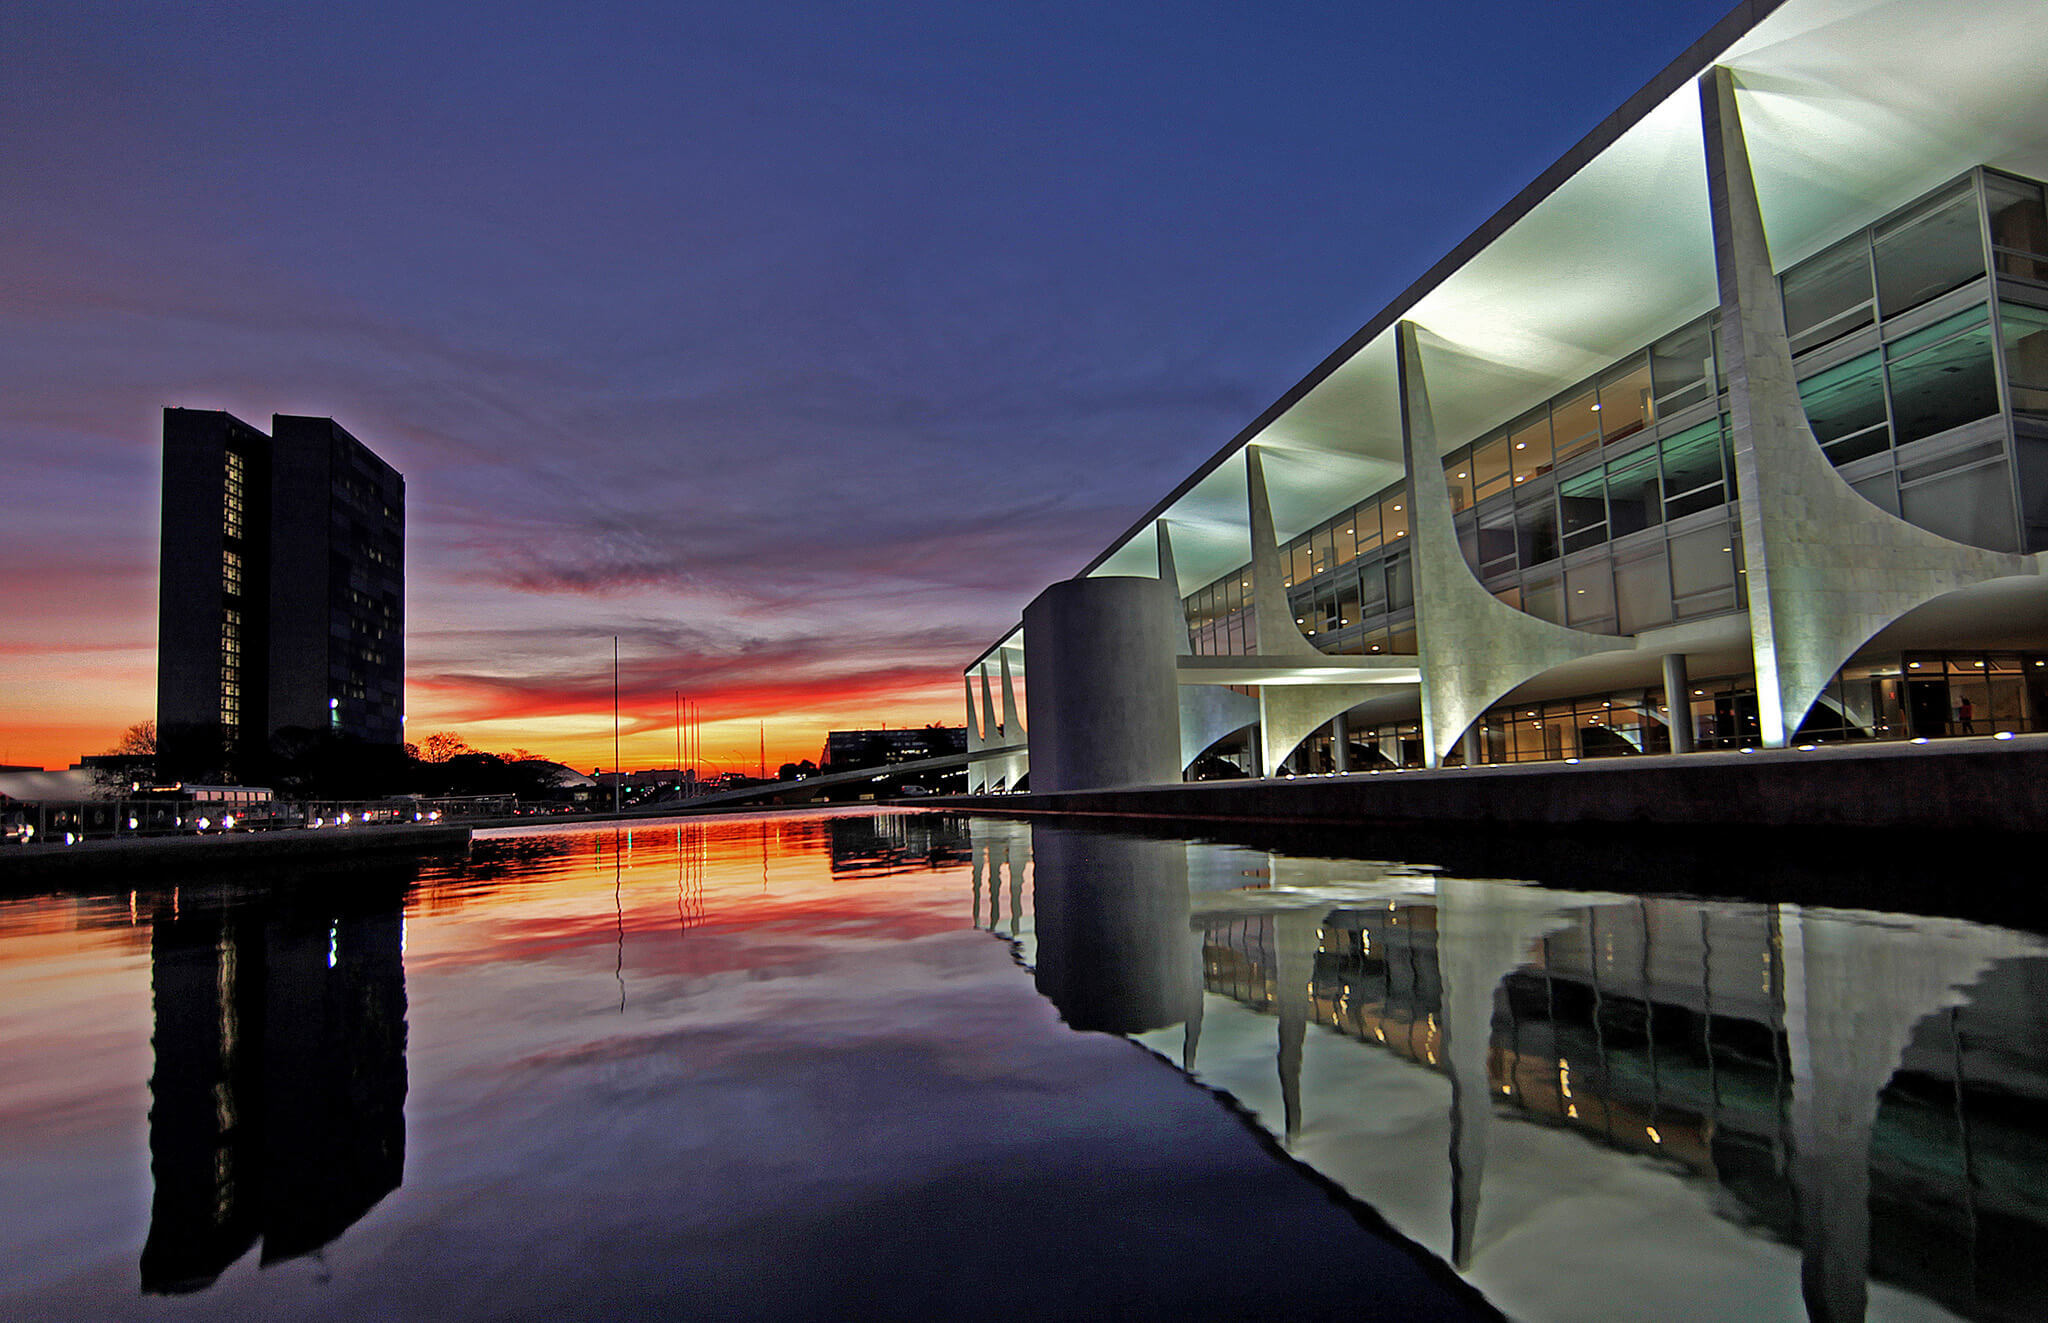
x,y
277,1105
1652,1107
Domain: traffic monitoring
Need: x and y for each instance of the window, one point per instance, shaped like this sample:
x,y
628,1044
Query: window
x,y
1394,517
1625,400
2025,331
1458,477
1634,502
231,572
1680,365
1577,423
1536,532
2019,227
1582,501
1845,406
1942,377
1829,295
1692,470
1530,447
1934,249
1490,468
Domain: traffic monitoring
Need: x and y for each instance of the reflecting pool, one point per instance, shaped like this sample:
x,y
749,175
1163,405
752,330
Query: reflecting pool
x,y
915,1065
765,1068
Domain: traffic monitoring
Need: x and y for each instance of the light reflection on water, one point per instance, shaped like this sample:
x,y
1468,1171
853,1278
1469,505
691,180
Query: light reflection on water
x,y
776,1067
763,1068
1595,1105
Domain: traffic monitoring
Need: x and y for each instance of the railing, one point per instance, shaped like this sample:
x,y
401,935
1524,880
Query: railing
x,y
69,822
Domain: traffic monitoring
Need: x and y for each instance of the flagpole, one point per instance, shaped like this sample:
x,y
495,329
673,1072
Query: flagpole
x,y
618,788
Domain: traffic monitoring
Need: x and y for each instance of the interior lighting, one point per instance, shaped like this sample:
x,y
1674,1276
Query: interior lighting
x,y
1596,408
1912,666
1397,505
1571,760
1462,475
2004,735
1521,445
1651,1130
1808,748
1917,739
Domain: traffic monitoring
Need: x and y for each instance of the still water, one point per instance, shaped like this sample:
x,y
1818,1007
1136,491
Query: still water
x,y
924,1066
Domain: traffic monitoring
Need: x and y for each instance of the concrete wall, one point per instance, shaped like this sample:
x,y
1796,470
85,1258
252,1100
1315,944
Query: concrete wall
x,y
2002,787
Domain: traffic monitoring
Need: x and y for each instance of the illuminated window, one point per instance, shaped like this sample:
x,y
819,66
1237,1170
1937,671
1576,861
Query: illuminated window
x,y
231,572
231,496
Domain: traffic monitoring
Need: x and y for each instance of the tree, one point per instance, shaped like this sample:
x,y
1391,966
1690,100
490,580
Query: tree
x,y
132,759
442,745
796,771
138,741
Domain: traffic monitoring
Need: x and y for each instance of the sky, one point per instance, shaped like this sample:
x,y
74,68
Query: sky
x,y
796,345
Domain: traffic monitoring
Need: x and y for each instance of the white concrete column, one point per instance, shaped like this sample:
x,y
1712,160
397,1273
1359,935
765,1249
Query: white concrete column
x,y
1207,712
1340,742
1474,647
1102,701
1014,765
1825,568
1288,714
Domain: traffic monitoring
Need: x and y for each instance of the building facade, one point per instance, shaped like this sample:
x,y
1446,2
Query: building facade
x,y
281,602
1731,430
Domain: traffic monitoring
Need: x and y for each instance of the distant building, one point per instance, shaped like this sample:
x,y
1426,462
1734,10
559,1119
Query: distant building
x,y
281,600
850,750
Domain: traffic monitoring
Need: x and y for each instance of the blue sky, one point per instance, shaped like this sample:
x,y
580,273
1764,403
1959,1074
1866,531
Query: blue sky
x,y
799,345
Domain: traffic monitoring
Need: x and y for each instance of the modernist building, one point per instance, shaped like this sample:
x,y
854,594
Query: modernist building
x,y
281,600
1731,430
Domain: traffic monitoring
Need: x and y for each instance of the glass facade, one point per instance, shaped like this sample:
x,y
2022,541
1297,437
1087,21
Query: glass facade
x,y
1921,350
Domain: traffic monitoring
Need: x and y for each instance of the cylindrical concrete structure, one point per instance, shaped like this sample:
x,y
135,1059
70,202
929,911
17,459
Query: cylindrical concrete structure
x,y
1102,705
1340,743
1677,702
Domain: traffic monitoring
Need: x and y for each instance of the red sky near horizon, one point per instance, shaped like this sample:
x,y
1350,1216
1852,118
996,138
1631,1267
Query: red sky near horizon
x,y
798,345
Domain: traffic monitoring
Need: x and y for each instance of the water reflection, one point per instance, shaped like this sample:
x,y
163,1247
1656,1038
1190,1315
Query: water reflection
x,y
277,1105
1595,1104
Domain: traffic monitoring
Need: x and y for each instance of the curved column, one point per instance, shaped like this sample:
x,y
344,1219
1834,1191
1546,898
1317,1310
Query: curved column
x,y
1483,933
1473,647
1014,765
1826,568
977,740
1288,714
1102,700
1207,712
1855,986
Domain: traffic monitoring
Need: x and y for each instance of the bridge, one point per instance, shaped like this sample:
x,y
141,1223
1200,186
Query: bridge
x,y
798,792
